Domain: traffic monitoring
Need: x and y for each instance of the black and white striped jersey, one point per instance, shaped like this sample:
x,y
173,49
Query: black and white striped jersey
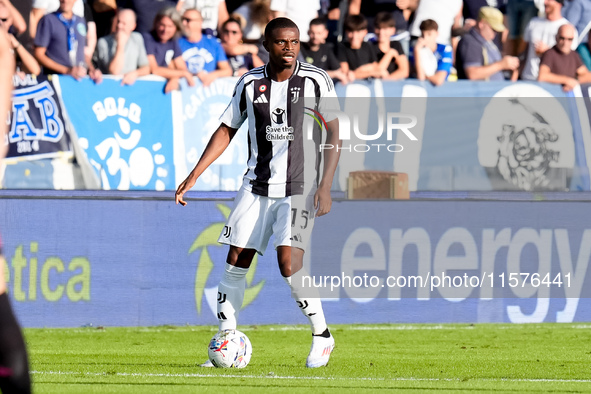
x,y
283,159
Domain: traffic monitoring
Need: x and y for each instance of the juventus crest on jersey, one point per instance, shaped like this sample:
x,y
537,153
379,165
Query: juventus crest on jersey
x,y
283,155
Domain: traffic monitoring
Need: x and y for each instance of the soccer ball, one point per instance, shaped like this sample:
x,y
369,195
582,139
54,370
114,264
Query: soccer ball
x,y
229,349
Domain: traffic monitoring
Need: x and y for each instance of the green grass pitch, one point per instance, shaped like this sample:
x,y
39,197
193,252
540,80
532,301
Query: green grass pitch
x,y
367,359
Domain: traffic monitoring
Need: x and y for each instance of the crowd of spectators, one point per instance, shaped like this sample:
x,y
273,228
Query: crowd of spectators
x,y
431,40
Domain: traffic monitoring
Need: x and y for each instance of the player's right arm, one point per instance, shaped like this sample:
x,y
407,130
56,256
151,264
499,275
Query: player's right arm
x,y
218,143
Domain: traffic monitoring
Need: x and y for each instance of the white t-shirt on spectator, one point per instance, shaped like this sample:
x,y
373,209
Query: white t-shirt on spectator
x,y
540,29
441,11
299,11
53,5
209,11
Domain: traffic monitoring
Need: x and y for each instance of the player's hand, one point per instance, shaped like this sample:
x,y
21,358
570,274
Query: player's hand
x,y
322,201
184,187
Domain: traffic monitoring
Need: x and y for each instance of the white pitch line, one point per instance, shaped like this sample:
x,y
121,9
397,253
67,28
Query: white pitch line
x,y
379,328
196,375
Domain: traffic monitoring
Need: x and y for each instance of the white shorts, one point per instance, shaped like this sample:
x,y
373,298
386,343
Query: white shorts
x,y
255,218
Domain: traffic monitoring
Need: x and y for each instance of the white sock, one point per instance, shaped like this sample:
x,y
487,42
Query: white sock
x,y
311,308
231,296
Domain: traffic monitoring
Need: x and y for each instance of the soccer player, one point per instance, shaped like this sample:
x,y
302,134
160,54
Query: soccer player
x,y
14,367
278,186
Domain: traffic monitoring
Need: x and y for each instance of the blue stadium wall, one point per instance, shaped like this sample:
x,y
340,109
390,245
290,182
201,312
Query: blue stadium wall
x,y
137,259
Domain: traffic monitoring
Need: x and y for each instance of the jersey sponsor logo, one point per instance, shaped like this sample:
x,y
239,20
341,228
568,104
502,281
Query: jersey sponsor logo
x,y
280,132
262,99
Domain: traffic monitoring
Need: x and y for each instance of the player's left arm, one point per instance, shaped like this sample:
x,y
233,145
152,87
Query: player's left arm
x,y
322,198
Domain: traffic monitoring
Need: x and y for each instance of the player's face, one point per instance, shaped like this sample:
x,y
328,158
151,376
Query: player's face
x,y
318,34
165,29
284,47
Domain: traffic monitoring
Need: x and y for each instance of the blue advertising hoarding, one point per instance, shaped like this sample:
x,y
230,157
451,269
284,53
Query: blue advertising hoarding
x,y
125,131
145,261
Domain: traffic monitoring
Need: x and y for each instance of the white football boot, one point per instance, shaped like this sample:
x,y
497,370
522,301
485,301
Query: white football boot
x,y
320,351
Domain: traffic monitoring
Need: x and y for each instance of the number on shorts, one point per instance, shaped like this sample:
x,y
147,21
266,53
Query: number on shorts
x,y
294,215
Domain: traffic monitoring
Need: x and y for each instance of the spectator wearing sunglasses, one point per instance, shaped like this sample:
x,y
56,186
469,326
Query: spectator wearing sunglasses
x,y
242,57
561,65
203,54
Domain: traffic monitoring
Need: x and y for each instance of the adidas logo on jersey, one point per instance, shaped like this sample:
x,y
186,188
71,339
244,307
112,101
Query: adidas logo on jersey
x,y
262,99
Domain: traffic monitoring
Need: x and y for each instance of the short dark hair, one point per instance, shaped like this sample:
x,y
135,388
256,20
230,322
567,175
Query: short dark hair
x,y
429,24
318,22
232,20
279,23
384,19
355,23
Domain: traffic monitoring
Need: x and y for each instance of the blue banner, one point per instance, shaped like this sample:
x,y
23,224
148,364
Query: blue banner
x,y
150,262
202,108
37,128
138,138
126,132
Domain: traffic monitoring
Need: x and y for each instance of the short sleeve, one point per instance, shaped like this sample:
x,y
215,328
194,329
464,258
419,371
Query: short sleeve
x,y
471,53
328,104
527,32
342,53
396,45
578,60
43,36
332,61
445,62
142,54
149,44
372,52
177,49
235,113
